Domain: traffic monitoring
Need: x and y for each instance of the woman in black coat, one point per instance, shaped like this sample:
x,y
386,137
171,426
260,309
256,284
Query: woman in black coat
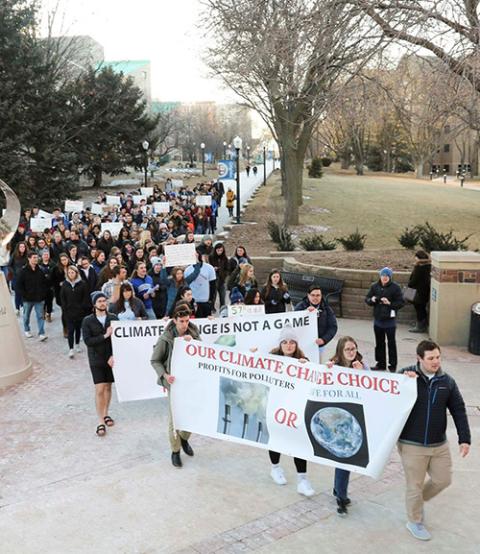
x,y
275,294
75,300
420,281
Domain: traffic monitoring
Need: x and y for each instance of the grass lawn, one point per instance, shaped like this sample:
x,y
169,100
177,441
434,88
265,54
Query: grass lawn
x,y
382,206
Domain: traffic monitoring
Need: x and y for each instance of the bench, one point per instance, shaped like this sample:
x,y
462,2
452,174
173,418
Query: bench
x,y
298,283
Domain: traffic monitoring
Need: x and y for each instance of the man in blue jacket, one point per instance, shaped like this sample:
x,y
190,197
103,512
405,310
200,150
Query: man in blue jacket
x,y
423,445
326,321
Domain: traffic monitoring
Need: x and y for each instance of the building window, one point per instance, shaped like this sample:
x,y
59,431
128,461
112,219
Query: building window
x,y
446,148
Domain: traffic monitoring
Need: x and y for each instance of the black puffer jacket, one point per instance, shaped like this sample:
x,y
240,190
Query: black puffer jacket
x,y
276,300
326,321
32,284
420,280
391,291
99,348
75,300
427,422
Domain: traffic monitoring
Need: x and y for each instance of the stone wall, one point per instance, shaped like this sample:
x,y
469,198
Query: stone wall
x,y
355,287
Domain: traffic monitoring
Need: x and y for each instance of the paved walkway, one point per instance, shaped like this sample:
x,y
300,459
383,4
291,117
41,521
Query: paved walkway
x,y
247,186
63,490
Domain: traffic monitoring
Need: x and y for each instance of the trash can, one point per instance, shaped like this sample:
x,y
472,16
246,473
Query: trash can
x,y
474,339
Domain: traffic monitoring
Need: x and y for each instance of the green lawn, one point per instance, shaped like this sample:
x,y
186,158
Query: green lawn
x,y
381,207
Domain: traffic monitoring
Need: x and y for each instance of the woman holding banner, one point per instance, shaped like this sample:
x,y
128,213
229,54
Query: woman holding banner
x,y
180,326
346,355
289,347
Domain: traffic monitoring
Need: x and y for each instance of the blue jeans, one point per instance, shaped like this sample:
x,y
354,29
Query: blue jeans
x,y
27,310
340,487
150,313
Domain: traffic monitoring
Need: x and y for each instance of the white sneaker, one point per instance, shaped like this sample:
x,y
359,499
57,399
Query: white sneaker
x,y
304,487
278,476
42,337
419,531
28,334
71,353
78,349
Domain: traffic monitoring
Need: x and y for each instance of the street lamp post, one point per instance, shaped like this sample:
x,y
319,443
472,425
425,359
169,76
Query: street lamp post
x,y
229,151
237,143
248,155
264,165
202,149
224,150
145,145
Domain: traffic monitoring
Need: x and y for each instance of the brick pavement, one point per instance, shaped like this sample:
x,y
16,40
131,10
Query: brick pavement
x,y
52,458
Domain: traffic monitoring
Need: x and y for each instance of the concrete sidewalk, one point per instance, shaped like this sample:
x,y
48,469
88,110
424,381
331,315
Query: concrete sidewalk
x,y
64,490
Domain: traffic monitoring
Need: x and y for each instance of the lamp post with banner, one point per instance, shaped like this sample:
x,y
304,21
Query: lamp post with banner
x,y
202,150
237,143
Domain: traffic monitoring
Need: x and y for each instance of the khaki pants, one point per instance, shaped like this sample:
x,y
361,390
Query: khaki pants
x,y
417,461
175,435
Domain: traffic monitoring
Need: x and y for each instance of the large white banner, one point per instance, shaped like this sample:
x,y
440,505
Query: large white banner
x,y
133,343
339,417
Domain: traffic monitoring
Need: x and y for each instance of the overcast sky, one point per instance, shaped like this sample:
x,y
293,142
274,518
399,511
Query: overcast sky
x,y
162,31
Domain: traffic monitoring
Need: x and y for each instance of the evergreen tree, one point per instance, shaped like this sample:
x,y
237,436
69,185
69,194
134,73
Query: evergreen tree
x,y
112,123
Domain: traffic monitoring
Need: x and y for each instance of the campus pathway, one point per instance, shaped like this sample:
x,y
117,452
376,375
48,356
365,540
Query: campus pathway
x,y
65,491
247,186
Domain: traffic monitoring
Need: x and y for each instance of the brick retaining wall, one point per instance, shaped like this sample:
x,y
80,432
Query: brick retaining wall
x,y
356,283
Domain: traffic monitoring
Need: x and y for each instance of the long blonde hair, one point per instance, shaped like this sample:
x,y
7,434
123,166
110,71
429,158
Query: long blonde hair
x,y
244,269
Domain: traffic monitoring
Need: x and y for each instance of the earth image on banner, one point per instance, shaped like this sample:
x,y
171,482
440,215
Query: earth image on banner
x,y
338,431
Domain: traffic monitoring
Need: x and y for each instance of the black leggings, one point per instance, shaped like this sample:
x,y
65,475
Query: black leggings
x,y
74,329
300,464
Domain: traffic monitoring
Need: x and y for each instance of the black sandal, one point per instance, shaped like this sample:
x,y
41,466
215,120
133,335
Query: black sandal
x,y
109,421
101,430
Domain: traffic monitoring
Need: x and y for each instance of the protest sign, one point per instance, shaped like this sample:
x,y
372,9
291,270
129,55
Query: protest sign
x,y
203,200
161,207
45,215
133,343
112,200
72,206
177,183
180,254
39,224
242,309
146,191
137,198
339,417
114,228
96,208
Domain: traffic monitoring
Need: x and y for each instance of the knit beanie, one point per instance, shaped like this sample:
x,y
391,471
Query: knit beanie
x,y
288,334
96,295
236,296
386,271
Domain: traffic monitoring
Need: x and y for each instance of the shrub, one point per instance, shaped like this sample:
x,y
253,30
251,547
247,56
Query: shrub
x,y
409,238
317,242
326,162
274,231
315,170
430,239
353,242
285,242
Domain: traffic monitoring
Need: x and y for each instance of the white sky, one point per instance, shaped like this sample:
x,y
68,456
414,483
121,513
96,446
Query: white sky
x,y
162,31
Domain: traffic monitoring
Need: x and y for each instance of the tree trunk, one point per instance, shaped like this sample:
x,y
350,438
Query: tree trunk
x,y
97,181
345,162
419,168
294,178
282,171
359,168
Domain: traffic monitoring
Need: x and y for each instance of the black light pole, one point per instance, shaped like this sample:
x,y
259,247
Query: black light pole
x,y
264,165
248,155
145,145
237,143
224,150
202,149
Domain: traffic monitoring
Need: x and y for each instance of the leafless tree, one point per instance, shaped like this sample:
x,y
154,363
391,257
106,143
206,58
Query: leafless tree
x,y
282,58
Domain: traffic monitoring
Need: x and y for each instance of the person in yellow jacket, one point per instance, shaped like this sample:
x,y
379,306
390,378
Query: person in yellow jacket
x,y
230,201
